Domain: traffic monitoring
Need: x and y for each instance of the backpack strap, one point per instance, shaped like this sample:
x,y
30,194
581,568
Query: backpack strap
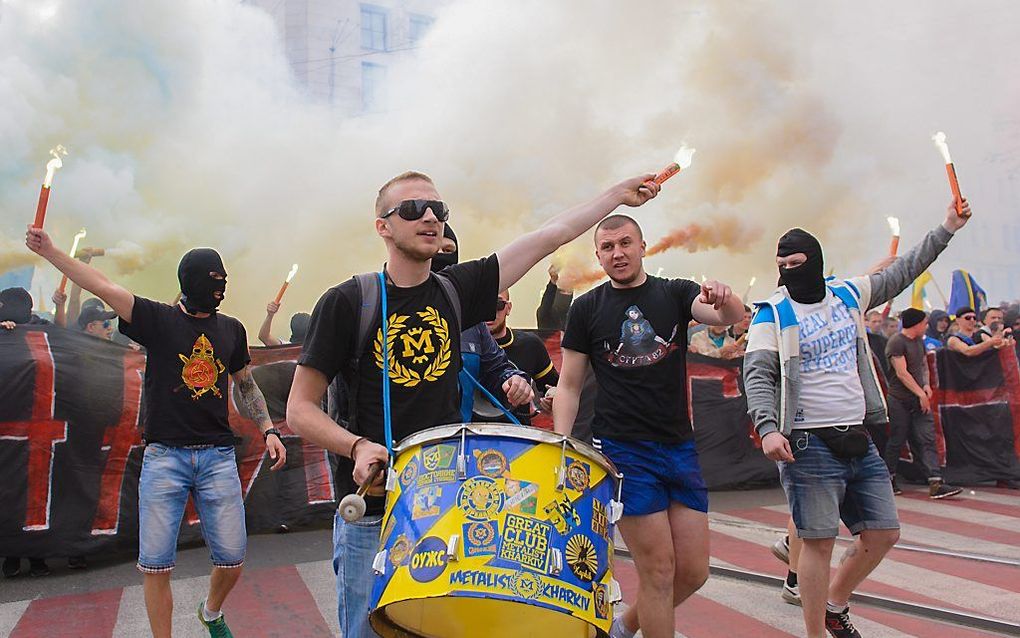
x,y
452,297
368,312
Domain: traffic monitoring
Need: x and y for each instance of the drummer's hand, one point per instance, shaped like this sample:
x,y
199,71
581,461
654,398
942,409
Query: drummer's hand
x,y
366,455
518,390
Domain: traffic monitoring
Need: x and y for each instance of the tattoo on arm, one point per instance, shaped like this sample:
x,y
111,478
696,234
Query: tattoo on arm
x,y
252,397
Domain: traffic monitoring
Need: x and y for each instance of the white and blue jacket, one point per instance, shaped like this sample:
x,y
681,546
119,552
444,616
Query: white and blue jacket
x,y
772,363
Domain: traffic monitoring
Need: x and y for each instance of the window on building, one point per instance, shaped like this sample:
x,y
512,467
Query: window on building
x,y
372,78
419,27
373,27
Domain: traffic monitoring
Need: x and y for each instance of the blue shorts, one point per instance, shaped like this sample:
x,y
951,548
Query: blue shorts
x,y
655,474
169,475
822,489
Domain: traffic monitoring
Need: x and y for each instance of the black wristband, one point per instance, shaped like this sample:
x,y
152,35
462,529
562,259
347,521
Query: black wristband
x,y
265,435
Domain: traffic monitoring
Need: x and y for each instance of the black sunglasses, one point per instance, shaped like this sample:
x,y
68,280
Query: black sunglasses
x,y
969,317
501,304
412,209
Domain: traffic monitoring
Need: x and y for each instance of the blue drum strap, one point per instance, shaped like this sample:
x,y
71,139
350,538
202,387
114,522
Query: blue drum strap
x,y
496,402
387,418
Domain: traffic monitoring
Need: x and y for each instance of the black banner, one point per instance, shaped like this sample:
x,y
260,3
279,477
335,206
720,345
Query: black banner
x,y
71,447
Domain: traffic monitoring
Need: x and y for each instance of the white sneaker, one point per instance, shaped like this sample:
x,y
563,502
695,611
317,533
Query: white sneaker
x,y
791,594
781,549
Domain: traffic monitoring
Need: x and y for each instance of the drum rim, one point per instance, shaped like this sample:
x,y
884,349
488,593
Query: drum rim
x,y
443,432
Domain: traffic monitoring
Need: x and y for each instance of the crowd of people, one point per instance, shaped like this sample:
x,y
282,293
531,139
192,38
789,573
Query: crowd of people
x,y
810,341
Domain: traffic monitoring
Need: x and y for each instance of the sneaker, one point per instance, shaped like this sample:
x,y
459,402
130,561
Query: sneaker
x,y
12,566
781,549
895,487
839,626
791,594
217,628
38,567
938,489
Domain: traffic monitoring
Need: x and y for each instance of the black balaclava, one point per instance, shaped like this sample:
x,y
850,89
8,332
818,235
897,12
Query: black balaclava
x,y
805,283
15,305
197,287
442,260
299,327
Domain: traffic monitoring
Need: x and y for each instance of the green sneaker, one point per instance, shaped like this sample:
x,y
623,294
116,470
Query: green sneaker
x,y
217,628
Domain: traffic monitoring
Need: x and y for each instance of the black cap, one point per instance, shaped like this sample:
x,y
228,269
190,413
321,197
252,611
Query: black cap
x,y
93,313
911,317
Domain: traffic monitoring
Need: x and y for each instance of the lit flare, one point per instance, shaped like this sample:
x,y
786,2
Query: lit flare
x,y
286,283
44,192
940,143
74,253
681,161
894,226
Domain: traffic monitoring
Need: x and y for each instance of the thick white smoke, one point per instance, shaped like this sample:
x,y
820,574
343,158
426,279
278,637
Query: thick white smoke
x,y
186,129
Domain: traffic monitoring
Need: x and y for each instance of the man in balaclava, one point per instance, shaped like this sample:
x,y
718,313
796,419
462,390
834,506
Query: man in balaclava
x,y
203,280
812,389
191,348
484,360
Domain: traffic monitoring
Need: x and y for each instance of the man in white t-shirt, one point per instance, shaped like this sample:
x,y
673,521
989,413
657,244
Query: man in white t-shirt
x,y
812,389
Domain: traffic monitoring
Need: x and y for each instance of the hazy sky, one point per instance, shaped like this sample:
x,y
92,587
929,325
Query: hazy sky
x,y
186,129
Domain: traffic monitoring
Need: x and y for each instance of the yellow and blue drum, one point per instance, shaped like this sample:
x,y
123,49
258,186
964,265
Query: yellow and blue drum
x,y
496,530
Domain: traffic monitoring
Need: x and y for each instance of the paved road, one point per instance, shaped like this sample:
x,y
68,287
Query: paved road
x,y
288,590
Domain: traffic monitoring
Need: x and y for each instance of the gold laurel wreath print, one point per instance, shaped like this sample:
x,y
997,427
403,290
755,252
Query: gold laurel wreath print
x,y
401,374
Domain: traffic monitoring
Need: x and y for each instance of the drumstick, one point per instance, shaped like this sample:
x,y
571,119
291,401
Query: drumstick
x,y
352,507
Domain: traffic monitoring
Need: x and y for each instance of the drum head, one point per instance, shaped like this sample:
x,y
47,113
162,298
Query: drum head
x,y
451,617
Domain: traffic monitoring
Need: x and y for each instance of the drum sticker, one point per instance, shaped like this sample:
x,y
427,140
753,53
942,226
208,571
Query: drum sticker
x,y
601,596
428,561
438,457
409,473
521,496
577,475
400,551
527,585
480,538
599,519
562,514
480,498
581,557
426,502
525,542
491,463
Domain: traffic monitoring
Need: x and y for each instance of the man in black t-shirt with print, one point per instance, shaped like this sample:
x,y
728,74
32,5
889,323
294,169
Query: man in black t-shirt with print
x,y
633,330
190,351
424,362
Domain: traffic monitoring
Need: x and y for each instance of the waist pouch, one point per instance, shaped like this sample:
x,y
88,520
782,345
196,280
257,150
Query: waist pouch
x,y
849,443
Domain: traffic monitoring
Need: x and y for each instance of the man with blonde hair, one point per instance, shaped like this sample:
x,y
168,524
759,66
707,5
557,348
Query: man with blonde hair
x,y
422,374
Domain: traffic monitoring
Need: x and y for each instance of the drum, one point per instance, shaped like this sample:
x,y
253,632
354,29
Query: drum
x,y
496,530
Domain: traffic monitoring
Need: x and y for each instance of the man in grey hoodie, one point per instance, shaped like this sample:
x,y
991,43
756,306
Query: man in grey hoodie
x,y
811,388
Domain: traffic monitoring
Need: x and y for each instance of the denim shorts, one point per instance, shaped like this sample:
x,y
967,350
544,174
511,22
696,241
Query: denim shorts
x,y
822,489
656,474
169,475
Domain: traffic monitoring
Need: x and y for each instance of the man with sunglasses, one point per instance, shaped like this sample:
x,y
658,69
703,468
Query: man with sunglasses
x,y
191,351
97,322
423,343
965,341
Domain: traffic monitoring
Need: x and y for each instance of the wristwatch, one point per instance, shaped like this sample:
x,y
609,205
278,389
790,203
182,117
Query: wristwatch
x,y
265,435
